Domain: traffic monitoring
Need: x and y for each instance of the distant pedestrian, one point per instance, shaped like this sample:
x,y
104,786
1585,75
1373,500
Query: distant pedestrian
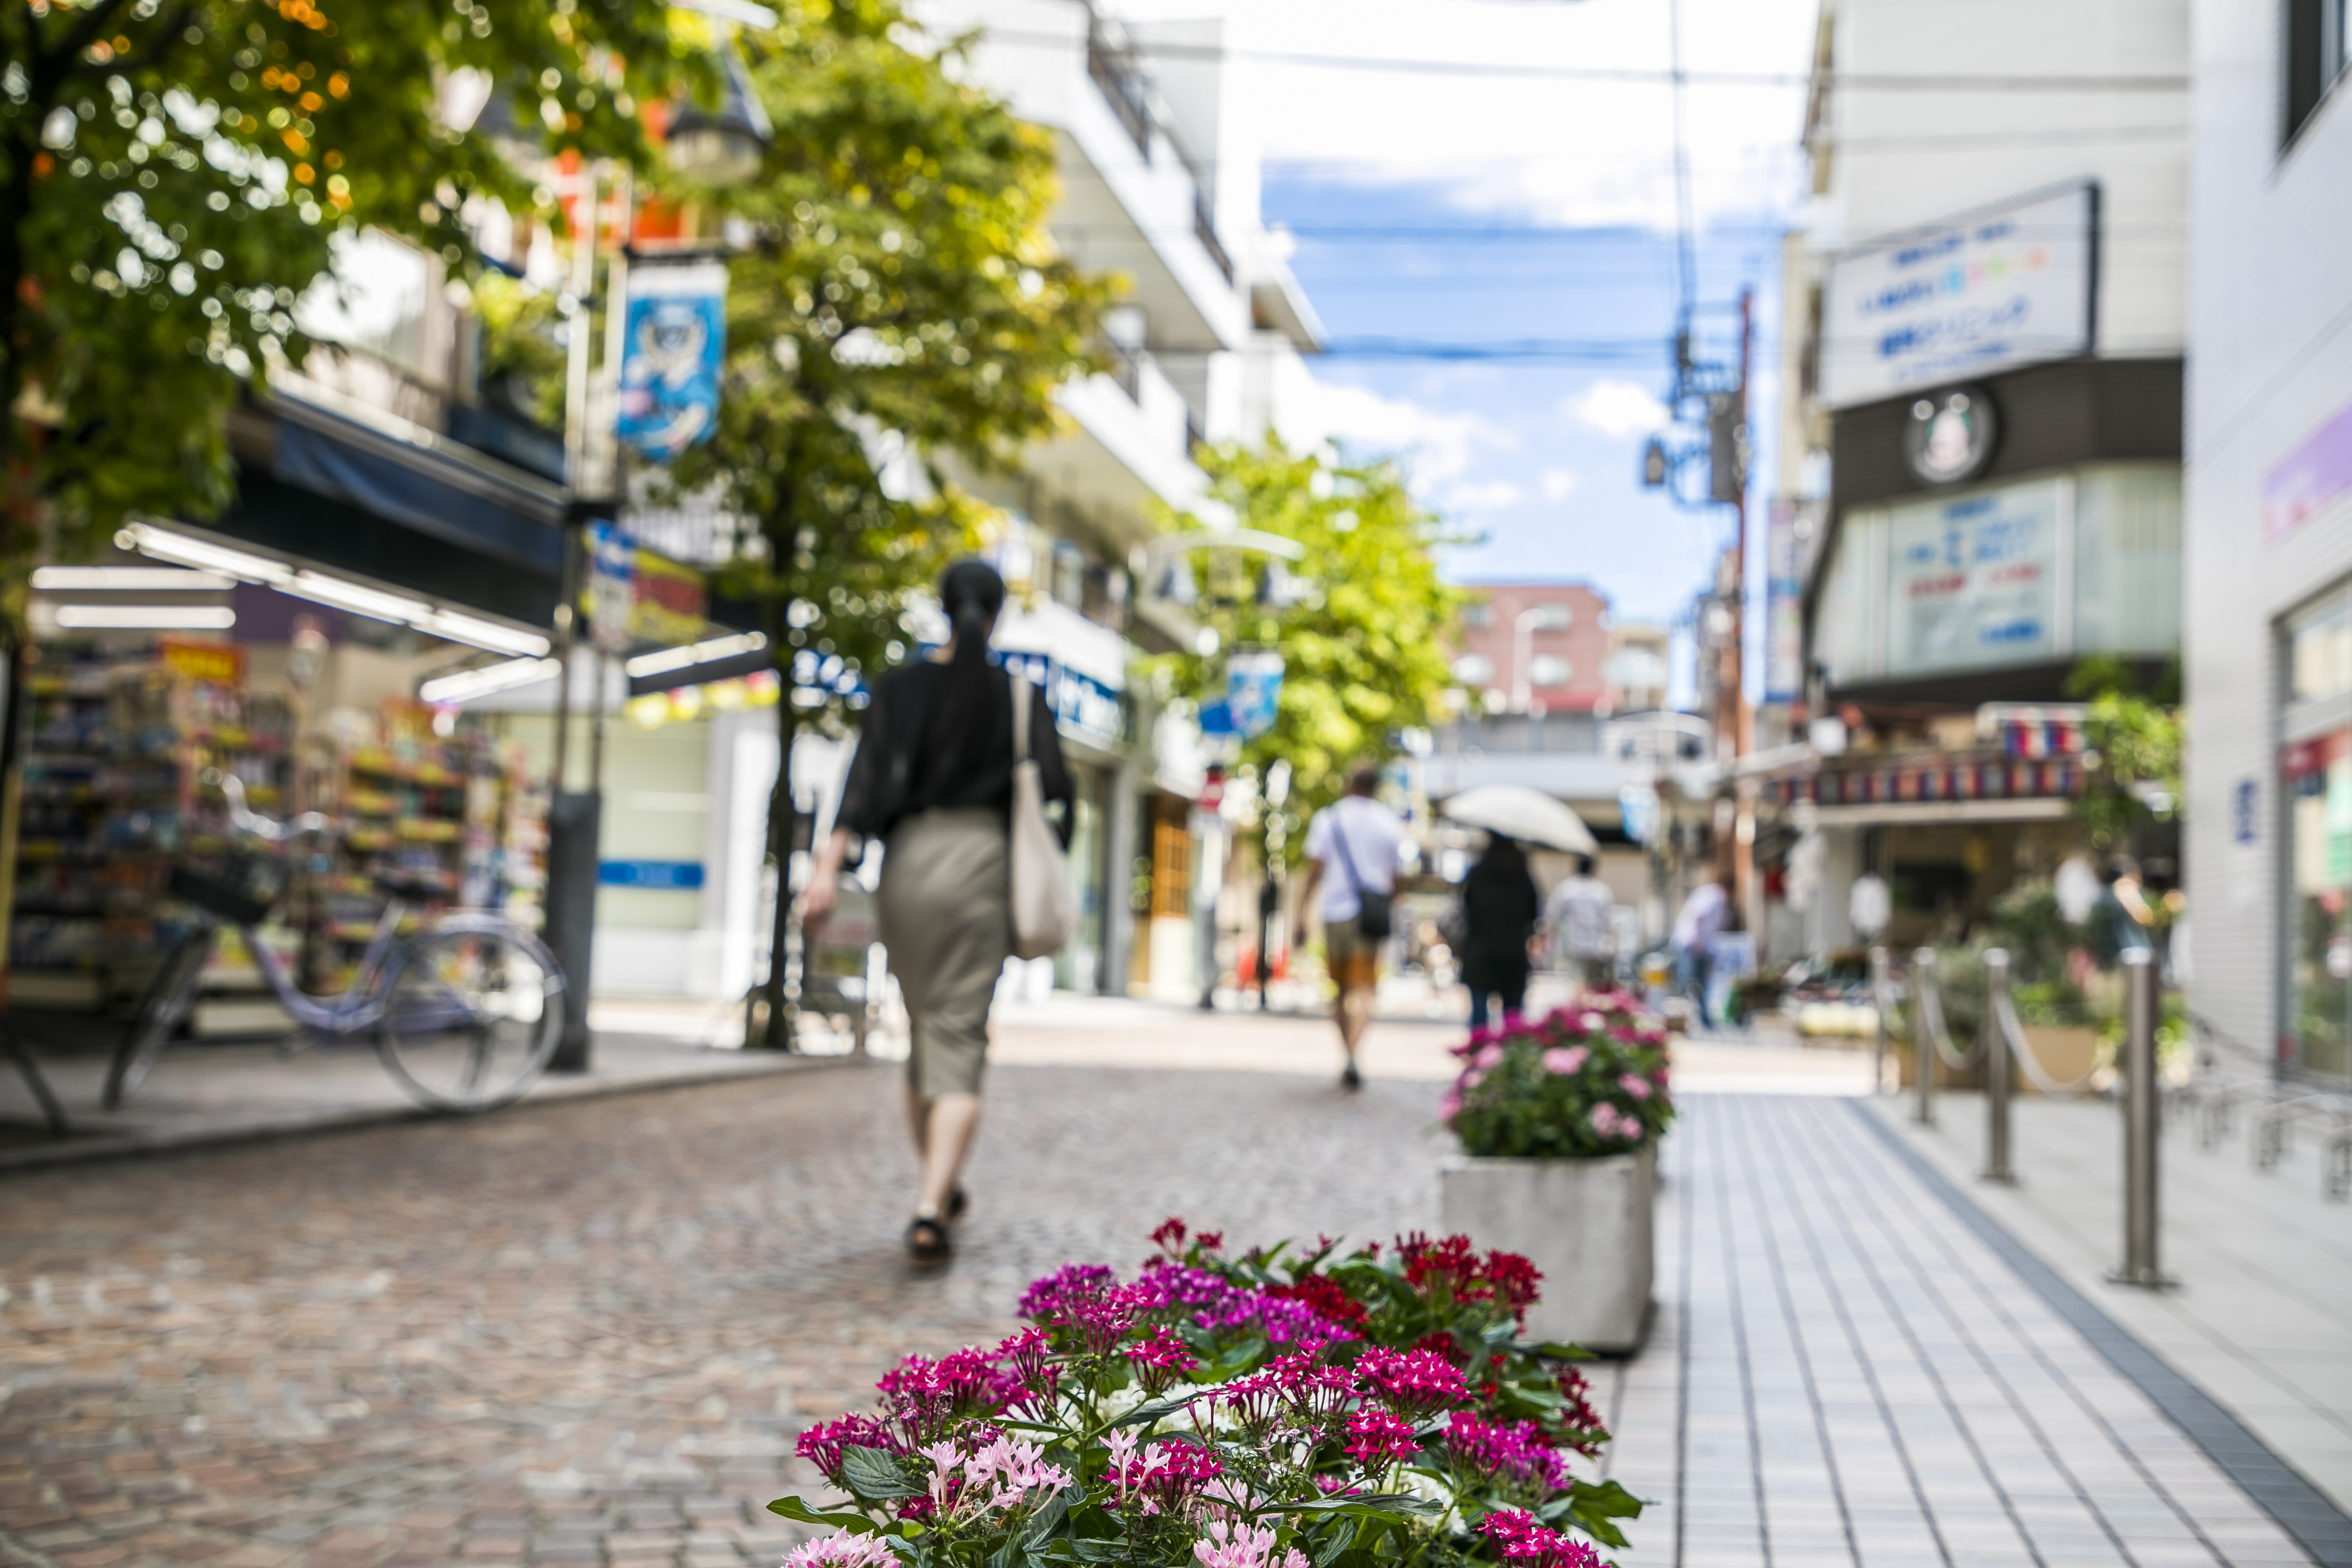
x,y
1500,907
1578,913
1697,926
932,778
1353,847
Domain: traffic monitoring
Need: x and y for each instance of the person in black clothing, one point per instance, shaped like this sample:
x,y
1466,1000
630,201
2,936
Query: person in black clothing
x,y
1500,907
932,778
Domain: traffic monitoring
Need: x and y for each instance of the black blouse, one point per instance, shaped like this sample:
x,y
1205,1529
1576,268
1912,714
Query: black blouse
x,y
891,777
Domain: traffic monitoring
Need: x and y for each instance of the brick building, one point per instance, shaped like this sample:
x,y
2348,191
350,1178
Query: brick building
x,y
1533,646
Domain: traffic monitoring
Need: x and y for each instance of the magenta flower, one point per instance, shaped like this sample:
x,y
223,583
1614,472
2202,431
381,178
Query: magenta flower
x,y
1634,1084
1513,1452
1414,1383
1604,1120
1565,1059
1521,1542
1375,1437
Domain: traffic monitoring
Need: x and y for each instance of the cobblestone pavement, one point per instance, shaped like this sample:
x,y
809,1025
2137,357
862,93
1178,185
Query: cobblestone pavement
x,y
585,1333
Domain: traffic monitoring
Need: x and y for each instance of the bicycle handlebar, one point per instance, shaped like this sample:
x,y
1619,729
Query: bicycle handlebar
x,y
232,790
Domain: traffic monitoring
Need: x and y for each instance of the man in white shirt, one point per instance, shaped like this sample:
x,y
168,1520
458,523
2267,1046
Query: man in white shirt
x,y
1353,846
1578,913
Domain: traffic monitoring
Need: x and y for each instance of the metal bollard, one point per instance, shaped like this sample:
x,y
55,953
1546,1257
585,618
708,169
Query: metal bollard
x,y
1997,1069
1878,962
2140,1265
1923,1044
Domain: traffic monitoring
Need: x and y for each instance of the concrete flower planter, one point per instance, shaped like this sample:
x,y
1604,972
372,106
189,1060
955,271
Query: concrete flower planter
x,y
1587,1224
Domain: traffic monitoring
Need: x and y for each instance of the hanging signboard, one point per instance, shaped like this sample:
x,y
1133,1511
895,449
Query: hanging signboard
x,y
611,585
1253,691
1784,625
677,343
1973,581
669,603
2007,287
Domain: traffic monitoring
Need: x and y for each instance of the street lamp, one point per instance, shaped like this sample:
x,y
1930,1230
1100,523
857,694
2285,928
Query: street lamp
x,y
1553,617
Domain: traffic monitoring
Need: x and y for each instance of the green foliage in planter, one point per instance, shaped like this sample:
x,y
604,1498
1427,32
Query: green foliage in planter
x,y
1589,1080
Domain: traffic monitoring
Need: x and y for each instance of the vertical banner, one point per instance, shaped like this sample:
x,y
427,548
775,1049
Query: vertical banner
x,y
611,585
1784,628
676,341
1254,691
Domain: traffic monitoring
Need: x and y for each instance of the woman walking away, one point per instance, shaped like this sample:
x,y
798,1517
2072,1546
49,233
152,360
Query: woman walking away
x,y
1500,909
932,778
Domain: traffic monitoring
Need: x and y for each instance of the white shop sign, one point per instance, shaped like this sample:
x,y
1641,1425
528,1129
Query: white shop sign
x,y
2003,288
1973,581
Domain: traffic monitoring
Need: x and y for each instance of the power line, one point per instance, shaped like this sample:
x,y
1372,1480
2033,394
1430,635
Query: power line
x,y
1554,351
1872,81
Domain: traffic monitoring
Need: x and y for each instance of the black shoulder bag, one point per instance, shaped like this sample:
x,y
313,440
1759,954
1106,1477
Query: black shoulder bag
x,y
1375,913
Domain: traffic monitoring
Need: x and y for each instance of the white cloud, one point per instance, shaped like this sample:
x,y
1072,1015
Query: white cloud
x,y
1439,448
1552,150
1488,496
1617,409
1559,484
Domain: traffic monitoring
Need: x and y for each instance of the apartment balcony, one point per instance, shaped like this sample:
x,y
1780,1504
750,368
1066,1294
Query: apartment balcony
x,y
1130,446
1134,198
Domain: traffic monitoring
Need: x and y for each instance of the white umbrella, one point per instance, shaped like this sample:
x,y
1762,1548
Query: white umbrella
x,y
1517,812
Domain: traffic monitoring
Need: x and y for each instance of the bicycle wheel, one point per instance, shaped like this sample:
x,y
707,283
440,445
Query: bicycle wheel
x,y
472,1014
169,998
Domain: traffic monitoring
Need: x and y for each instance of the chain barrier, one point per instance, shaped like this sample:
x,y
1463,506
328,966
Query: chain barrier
x,y
2028,1061
1931,1006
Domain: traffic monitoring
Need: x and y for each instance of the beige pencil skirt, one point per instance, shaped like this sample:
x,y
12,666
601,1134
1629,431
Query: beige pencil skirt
x,y
946,909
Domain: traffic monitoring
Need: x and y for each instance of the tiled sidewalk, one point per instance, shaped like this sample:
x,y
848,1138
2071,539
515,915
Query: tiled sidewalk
x,y
1842,1372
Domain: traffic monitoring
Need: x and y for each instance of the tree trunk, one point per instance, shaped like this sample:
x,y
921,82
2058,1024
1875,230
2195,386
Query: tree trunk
x,y
772,1012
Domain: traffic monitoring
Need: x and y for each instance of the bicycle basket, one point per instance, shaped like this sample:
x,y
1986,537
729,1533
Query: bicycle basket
x,y
239,887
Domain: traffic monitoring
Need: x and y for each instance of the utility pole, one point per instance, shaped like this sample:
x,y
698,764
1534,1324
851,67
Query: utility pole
x,y
1736,854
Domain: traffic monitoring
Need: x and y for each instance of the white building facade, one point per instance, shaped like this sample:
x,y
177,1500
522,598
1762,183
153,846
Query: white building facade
x,y
2269,529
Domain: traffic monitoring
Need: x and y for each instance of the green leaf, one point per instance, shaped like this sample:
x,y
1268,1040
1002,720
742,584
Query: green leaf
x,y
1156,1410
793,1509
873,1474
1372,1505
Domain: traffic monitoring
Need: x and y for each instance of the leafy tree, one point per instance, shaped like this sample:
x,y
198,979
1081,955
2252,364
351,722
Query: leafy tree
x,y
901,300
1362,629
171,174
2133,739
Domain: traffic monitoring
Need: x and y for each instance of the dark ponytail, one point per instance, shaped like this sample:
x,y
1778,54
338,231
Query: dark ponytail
x,y
971,699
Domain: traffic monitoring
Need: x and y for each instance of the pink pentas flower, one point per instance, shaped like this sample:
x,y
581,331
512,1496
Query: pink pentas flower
x,y
843,1551
1239,1545
1514,1452
1449,1105
1603,1118
1376,1438
1565,1059
1414,1383
1634,1084
1487,1056
1593,1023
1521,1542
1473,1077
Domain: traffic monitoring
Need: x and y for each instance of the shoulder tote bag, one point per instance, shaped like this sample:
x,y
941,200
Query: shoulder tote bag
x,y
1044,910
1375,914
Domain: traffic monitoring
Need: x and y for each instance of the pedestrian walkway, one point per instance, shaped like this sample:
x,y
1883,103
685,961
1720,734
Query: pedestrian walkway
x,y
584,1334
1842,1371
2260,1313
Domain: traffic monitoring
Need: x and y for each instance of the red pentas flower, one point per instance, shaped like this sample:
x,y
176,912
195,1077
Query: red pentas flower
x,y
1454,1267
1159,1358
1170,1236
1326,1297
824,1444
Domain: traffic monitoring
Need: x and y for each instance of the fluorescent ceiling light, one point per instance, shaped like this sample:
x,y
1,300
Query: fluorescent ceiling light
x,y
149,540
467,684
322,589
146,618
484,634
128,580
670,659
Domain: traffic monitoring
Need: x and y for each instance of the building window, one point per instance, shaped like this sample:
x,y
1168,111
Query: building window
x,y
1473,669
2315,58
2316,783
1548,669
1475,616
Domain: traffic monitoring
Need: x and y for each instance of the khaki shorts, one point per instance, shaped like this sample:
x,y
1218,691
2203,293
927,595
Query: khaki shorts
x,y
1353,958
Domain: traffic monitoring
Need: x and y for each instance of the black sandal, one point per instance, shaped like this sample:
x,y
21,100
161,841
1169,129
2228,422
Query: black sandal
x,y
927,1240
958,1201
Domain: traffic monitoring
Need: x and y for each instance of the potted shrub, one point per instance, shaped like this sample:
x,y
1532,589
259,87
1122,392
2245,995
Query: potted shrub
x,y
1559,1121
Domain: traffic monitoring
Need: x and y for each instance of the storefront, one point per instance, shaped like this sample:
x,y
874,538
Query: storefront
x,y
2315,790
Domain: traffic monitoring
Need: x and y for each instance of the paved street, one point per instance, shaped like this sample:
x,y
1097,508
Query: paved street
x,y
586,1333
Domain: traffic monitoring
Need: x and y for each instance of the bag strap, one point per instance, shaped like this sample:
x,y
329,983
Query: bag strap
x,y
1346,856
1020,719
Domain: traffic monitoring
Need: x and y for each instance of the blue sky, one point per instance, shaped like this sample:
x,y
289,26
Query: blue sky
x,y
1539,458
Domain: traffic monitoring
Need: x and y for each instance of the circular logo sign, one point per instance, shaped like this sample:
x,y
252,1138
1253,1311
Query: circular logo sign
x,y
1950,434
